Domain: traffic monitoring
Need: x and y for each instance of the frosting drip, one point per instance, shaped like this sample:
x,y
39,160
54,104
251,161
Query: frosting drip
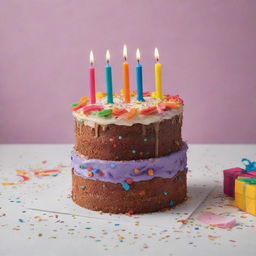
x,y
137,170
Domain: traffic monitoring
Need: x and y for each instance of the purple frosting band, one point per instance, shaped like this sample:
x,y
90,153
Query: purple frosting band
x,y
137,170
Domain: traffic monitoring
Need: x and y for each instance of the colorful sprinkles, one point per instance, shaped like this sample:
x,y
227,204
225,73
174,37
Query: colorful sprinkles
x,y
125,186
151,172
124,111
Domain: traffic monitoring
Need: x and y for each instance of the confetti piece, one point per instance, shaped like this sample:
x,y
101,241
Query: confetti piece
x,y
24,178
210,237
10,183
53,173
146,94
171,203
216,220
20,172
130,212
100,173
95,171
148,111
21,221
125,186
165,106
175,99
88,109
119,111
136,170
120,238
90,174
38,218
129,181
131,114
151,172
183,221
100,95
104,113
84,99
80,105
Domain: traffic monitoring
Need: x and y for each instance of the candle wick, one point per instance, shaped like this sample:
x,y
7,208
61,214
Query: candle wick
x,y
138,61
107,61
125,58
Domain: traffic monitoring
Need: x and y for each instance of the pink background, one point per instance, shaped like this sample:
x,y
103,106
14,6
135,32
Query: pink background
x,y
207,49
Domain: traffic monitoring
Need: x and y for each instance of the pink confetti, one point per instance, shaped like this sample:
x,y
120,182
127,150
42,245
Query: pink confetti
x,y
216,220
24,178
54,172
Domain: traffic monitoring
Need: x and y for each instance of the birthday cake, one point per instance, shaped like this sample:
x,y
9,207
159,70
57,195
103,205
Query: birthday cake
x,y
129,157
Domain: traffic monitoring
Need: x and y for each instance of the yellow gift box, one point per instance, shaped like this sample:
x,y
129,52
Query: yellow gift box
x,y
245,194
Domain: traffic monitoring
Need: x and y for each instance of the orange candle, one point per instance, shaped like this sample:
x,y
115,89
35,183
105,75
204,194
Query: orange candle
x,y
126,77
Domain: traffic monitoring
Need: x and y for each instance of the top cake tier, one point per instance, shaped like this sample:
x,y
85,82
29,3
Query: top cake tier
x,y
128,131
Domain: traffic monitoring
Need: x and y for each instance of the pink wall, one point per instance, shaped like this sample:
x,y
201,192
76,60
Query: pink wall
x,y
207,49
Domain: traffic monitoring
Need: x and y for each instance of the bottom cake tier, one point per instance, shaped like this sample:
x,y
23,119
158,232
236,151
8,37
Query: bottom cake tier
x,y
134,186
144,196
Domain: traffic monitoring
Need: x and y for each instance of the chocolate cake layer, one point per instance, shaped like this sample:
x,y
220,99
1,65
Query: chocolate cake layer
x,y
143,196
119,142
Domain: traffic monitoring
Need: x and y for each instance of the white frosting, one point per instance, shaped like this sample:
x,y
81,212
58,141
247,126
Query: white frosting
x,y
93,119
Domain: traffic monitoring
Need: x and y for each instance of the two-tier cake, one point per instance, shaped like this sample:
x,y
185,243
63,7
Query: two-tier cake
x,y
129,157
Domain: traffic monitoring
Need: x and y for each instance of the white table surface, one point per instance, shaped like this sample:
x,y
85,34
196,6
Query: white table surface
x,y
29,232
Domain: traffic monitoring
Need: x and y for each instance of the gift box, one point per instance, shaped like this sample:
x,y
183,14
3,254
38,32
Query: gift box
x,y
245,194
230,175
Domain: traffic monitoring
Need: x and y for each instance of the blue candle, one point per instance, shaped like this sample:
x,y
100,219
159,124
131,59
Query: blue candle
x,y
139,78
109,80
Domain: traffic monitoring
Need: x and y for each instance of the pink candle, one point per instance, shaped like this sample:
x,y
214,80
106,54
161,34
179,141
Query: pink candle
x,y
92,80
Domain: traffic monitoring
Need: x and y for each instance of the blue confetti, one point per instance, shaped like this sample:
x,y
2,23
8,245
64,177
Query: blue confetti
x,y
165,193
82,187
125,186
134,151
113,165
21,220
82,166
95,171
120,137
171,203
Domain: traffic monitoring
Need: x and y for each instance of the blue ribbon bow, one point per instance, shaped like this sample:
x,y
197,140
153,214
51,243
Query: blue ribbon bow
x,y
249,166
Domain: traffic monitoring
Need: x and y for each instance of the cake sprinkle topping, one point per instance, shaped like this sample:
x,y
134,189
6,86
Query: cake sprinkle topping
x,y
148,111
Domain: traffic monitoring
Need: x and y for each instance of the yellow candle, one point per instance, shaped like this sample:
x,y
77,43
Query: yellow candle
x,y
126,77
158,76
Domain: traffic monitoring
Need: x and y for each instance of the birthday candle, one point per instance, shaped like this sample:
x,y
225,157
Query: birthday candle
x,y
92,79
109,79
158,76
139,78
126,77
